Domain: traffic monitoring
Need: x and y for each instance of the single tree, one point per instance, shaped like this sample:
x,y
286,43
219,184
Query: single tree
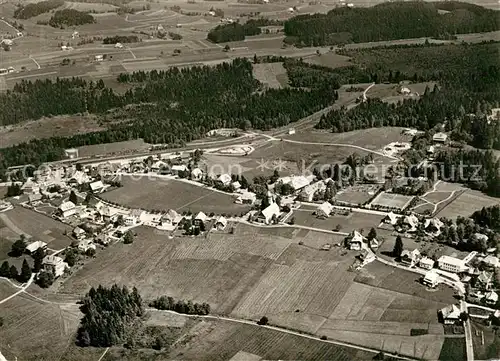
x,y
263,321
13,272
73,197
38,256
18,247
398,247
128,238
464,316
5,269
45,279
372,234
25,272
71,256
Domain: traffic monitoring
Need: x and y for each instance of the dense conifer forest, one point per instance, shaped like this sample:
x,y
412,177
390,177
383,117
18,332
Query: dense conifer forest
x,y
166,107
34,9
390,21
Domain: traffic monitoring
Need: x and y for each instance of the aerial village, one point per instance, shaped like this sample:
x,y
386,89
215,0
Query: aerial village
x,y
72,193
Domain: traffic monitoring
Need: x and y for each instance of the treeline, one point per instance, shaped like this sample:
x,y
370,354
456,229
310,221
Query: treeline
x,y
108,315
34,9
232,32
390,21
70,17
477,169
163,107
488,217
180,306
120,39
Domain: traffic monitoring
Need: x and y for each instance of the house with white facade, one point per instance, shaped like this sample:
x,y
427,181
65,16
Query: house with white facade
x,y
450,314
452,264
431,279
33,246
308,192
225,179
410,258
55,265
196,174
97,187
426,263
355,241
67,209
200,219
246,198
324,210
221,223
266,216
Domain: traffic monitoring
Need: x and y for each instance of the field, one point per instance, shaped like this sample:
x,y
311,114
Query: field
x,y
357,194
23,318
466,204
383,319
164,194
491,347
110,148
329,59
453,349
439,197
397,280
354,221
45,128
6,288
222,340
392,200
272,75
40,227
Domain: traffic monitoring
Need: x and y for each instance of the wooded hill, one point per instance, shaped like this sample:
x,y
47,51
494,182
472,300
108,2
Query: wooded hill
x,y
70,17
34,9
390,21
162,107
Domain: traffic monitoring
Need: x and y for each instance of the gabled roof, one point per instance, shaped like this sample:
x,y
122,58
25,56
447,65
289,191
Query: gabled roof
x,y
492,296
450,312
225,178
196,172
32,247
426,260
356,237
52,260
485,277
221,220
270,211
392,217
431,276
201,217
433,222
325,208
78,230
179,168
96,185
66,206
411,220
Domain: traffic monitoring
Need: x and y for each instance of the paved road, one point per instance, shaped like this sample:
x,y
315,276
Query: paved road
x,y
468,333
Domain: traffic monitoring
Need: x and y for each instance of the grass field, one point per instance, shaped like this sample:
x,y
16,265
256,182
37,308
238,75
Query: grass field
x,y
222,340
272,75
491,347
354,221
393,279
36,331
6,289
392,200
39,227
164,194
45,128
453,349
110,148
330,59
357,194
466,204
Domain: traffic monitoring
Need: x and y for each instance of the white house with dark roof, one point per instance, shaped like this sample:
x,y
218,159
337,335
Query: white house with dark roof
x,y
431,279
33,246
355,241
450,314
225,179
221,223
196,174
67,209
96,187
324,209
54,264
267,215
200,218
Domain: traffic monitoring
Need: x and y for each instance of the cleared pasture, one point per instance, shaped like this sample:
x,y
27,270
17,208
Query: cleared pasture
x,y
37,331
353,221
112,148
373,138
189,268
48,127
466,204
272,75
6,288
392,200
379,275
39,227
329,59
357,194
164,194
221,340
